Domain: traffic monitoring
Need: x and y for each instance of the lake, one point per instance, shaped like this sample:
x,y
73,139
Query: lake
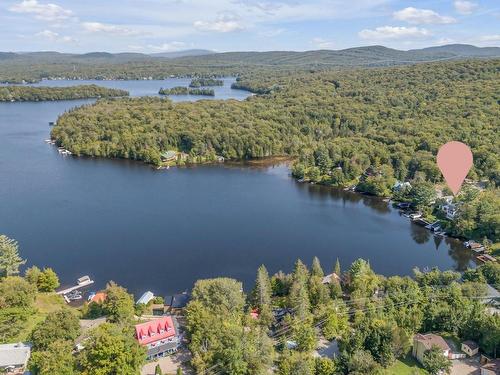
x,y
161,230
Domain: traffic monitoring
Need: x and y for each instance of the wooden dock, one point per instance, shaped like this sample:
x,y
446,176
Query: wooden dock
x,y
81,283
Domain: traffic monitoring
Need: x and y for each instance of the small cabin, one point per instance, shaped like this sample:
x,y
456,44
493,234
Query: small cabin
x,y
470,348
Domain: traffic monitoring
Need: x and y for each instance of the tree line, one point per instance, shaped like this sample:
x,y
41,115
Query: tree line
x,y
181,90
41,93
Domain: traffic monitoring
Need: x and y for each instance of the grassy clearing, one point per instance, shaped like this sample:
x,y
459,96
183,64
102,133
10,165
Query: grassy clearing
x,y
405,366
44,304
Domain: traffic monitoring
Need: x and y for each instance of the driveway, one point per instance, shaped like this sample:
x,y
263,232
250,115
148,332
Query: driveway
x,y
466,366
170,364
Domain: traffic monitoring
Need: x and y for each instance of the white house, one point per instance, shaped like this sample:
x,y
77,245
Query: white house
x,y
422,343
449,208
14,358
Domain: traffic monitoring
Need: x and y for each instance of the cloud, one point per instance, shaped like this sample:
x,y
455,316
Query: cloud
x,y
224,23
421,16
322,43
394,32
167,47
53,36
46,12
97,27
490,38
465,7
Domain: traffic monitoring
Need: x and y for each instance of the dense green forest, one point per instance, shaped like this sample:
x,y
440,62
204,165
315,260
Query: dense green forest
x,y
40,93
339,122
180,90
199,82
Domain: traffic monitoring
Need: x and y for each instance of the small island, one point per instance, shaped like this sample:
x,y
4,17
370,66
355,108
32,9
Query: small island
x,y
180,90
44,93
200,82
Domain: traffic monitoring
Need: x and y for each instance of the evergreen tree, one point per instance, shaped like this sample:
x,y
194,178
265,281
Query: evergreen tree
x,y
299,296
262,296
316,269
10,261
337,269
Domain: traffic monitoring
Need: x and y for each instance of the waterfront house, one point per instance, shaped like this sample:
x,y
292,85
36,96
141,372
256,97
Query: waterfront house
x,y
329,279
158,336
449,208
169,156
424,342
98,297
14,358
177,301
470,348
401,186
145,298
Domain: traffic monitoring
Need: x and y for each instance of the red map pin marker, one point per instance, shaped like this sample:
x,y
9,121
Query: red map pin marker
x,y
454,159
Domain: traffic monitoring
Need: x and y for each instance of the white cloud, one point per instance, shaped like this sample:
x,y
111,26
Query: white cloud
x,y
490,38
47,34
465,7
53,36
224,23
322,43
47,12
97,27
168,47
394,32
421,16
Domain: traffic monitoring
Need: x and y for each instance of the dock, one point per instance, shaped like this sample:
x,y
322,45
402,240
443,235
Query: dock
x,y
80,283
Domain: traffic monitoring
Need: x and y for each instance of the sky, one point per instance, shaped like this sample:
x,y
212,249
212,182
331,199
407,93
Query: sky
x,y
150,26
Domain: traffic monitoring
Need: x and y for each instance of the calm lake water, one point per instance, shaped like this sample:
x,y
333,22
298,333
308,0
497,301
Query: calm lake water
x,y
162,230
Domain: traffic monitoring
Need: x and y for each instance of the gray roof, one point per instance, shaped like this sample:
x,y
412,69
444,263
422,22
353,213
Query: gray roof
x,y
14,354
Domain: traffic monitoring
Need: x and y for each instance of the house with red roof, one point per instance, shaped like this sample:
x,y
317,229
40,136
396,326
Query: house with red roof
x,y
159,336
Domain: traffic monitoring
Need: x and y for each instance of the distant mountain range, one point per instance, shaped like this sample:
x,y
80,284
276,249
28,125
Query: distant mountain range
x,y
359,56
185,53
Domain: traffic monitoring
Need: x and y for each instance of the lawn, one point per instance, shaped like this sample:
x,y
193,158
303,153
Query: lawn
x,y
44,304
405,366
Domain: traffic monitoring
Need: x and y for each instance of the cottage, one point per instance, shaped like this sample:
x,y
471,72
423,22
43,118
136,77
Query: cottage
x,y
470,348
14,358
424,342
159,336
177,301
449,208
329,279
98,297
401,186
169,156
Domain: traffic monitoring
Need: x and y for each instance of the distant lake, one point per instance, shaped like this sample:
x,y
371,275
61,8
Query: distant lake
x,y
162,230
151,87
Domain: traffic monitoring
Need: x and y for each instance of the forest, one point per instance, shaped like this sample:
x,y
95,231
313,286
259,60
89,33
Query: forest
x,y
42,93
180,90
201,82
